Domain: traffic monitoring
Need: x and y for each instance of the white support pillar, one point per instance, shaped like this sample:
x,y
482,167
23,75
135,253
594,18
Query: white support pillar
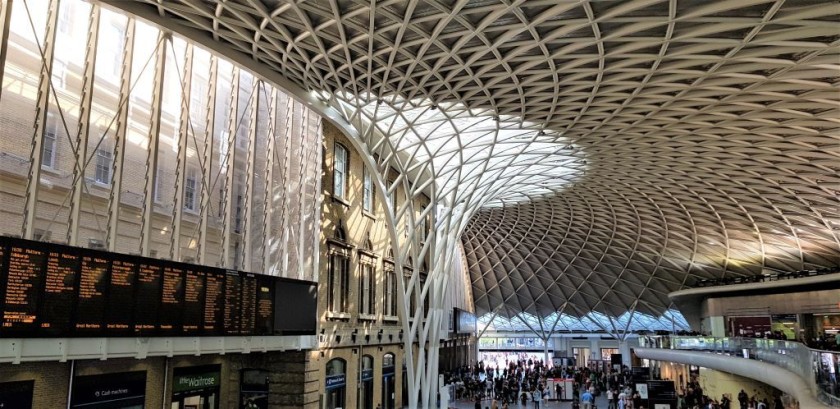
x,y
185,82
33,181
248,225
121,136
83,133
147,218
210,127
228,165
268,267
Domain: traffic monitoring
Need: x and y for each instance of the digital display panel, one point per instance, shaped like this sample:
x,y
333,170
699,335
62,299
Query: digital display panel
x,y
53,290
59,293
24,274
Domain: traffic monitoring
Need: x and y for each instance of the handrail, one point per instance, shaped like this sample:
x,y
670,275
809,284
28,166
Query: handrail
x,y
820,369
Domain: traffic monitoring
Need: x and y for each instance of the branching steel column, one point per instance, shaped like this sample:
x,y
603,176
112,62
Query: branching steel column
x,y
268,208
228,167
83,132
249,173
5,22
181,164
119,145
147,220
207,171
41,107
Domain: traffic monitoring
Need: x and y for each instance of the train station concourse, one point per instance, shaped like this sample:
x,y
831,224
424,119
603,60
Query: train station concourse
x,y
253,204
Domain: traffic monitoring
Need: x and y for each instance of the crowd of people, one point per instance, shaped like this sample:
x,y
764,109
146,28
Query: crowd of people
x,y
525,382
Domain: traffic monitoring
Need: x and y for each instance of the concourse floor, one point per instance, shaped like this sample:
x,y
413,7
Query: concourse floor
x,y
600,403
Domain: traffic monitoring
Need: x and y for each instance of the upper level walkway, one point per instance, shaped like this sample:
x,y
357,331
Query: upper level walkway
x,y
809,375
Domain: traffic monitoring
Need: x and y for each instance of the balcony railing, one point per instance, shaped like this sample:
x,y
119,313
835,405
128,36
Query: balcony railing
x,y
820,369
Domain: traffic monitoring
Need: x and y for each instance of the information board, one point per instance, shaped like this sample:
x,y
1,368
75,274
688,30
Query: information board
x,y
53,290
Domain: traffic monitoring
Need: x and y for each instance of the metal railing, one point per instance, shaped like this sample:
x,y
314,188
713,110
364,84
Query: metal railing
x,y
818,368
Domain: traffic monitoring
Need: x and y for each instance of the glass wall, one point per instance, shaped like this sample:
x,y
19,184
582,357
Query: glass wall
x,y
116,136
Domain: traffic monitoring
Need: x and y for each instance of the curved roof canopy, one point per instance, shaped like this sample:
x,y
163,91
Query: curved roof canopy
x,y
614,151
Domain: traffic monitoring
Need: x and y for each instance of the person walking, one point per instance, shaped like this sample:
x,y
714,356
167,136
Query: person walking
x,y
610,398
586,399
742,399
536,395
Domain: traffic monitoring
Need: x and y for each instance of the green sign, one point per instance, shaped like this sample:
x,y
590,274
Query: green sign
x,y
198,381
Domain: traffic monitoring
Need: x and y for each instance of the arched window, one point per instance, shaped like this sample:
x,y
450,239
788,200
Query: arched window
x,y
335,383
367,283
339,271
388,390
390,285
341,167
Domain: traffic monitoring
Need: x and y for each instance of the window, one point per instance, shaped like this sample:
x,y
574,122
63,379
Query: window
x,y
59,74
340,168
103,166
159,184
191,190
367,199
390,290
366,286
65,17
48,144
339,277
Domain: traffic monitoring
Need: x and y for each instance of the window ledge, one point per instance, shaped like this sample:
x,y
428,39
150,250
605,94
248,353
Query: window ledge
x,y
368,215
341,201
390,318
50,170
367,317
338,315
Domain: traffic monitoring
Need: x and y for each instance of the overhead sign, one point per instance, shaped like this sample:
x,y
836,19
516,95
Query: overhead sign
x,y
124,389
335,381
465,322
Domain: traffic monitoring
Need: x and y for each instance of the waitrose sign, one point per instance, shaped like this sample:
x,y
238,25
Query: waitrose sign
x,y
198,381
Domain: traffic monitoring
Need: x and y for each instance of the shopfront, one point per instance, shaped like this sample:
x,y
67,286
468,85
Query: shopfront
x,y
388,382
123,390
196,387
335,384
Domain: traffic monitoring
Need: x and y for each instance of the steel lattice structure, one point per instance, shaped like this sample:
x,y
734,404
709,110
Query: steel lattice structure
x,y
589,155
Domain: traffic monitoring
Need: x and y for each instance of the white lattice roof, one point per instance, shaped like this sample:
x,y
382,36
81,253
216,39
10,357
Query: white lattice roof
x,y
618,150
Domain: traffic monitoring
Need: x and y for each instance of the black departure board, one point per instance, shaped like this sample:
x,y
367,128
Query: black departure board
x,y
171,301
194,295
249,304
233,299
265,307
53,290
146,298
93,287
59,292
119,314
24,277
214,303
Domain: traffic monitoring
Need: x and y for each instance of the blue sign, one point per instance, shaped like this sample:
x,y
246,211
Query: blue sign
x,y
336,381
367,375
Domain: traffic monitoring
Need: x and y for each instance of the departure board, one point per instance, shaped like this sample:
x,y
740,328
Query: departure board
x,y
172,301
233,297
214,303
93,284
249,303
146,298
53,290
194,295
59,292
265,307
24,277
119,314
